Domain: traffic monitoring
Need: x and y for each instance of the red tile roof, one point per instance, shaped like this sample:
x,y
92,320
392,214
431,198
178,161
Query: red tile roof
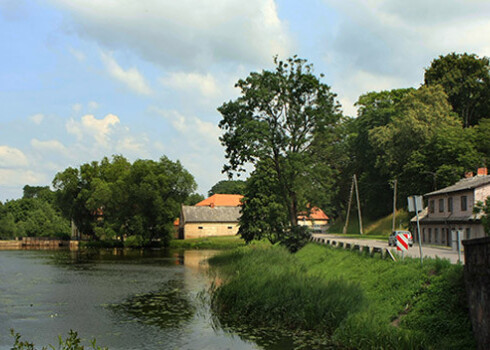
x,y
221,200
315,214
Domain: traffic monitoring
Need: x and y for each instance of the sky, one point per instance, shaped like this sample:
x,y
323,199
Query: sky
x,y
84,79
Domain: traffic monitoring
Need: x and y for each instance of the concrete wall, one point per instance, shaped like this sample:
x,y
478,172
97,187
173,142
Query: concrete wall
x,y
203,229
438,233
477,281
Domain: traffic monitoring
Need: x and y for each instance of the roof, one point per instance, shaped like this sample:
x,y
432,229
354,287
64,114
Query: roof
x,y
221,200
208,214
464,184
315,214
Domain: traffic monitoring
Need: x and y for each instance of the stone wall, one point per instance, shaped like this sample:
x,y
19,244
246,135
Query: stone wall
x,y
477,281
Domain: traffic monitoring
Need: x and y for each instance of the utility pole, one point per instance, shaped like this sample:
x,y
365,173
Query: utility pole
x,y
395,183
344,231
358,204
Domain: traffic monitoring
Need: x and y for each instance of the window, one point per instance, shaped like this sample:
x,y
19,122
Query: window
x,y
430,235
464,203
441,205
200,227
431,206
230,227
468,233
443,235
450,204
423,235
436,235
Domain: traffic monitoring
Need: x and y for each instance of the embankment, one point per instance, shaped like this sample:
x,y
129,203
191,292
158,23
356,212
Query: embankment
x,y
354,300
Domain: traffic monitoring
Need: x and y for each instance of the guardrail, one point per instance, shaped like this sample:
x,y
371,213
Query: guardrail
x,y
384,253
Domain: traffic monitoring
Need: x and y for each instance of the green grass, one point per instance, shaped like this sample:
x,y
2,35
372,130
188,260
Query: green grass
x,y
224,242
361,302
381,227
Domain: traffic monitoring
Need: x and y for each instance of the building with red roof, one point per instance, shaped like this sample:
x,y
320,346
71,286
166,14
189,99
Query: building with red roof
x,y
315,219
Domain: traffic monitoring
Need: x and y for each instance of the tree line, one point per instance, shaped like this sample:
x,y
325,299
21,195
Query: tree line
x,y
304,151
108,200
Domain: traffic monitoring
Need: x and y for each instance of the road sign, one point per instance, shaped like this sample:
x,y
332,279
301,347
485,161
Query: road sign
x,y
402,242
415,203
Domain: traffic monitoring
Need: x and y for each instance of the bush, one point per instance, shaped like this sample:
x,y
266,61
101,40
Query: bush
x,y
72,342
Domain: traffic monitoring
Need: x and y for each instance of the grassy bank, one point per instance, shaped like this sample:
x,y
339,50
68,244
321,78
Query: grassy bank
x,y
225,242
380,227
361,302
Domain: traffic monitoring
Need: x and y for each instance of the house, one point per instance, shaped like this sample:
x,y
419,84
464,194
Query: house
x,y
316,220
450,210
217,215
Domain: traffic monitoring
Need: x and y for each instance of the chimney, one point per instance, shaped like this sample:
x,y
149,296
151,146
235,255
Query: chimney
x,y
468,174
211,205
482,171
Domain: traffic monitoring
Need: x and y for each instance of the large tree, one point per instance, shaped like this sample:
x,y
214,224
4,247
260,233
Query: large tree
x,y
283,117
228,187
466,81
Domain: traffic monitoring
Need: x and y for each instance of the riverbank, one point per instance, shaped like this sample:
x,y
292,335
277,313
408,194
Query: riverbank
x,y
359,301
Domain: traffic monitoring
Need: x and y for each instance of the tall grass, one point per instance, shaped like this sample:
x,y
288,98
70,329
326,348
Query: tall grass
x,y
361,302
380,226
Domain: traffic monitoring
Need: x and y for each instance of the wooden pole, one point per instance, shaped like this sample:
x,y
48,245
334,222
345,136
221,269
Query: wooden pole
x,y
394,205
344,231
358,204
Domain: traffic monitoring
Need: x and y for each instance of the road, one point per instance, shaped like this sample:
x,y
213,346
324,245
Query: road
x,y
429,251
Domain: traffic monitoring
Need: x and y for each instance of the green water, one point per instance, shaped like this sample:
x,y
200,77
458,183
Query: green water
x,y
124,299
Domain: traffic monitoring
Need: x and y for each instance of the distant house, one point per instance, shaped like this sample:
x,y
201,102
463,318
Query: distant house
x,y
451,209
316,220
217,215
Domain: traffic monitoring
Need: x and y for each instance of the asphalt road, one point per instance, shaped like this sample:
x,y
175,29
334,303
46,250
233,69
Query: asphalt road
x,y
430,251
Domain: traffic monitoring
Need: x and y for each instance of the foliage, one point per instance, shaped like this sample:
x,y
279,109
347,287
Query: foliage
x,y
390,305
484,208
115,198
226,242
228,187
34,217
72,342
284,119
424,145
466,81
194,198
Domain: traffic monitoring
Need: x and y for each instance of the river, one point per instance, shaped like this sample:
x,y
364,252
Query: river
x,y
126,299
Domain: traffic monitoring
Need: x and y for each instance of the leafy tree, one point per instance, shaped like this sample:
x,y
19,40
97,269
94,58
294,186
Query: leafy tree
x,y
424,145
228,187
264,214
484,208
116,198
42,192
194,198
281,118
375,109
466,81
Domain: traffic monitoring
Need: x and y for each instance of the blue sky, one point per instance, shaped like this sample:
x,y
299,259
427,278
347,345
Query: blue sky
x,y
84,79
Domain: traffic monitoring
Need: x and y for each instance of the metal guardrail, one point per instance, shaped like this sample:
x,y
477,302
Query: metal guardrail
x,y
385,253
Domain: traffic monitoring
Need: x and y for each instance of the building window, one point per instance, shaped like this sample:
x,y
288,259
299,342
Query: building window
x,y
468,233
464,203
436,235
430,235
443,235
230,227
450,204
441,205
199,227
423,235
432,206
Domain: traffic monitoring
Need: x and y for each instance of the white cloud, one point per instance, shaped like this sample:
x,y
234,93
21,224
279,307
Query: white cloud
x,y
186,33
93,105
17,177
91,127
79,55
37,118
204,83
12,158
77,107
132,78
49,146
192,128
130,145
